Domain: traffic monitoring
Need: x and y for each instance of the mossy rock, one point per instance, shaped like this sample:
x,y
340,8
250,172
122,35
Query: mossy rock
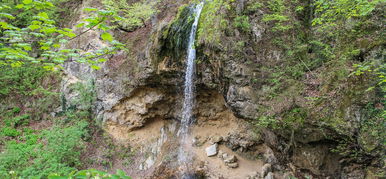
x,y
368,142
174,38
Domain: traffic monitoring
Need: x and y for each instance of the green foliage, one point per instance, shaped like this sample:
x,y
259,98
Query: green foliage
x,y
266,122
242,23
133,15
277,16
40,41
344,29
213,21
30,87
322,50
9,132
91,174
22,81
331,13
372,68
20,120
24,17
81,107
39,154
253,6
86,96
293,119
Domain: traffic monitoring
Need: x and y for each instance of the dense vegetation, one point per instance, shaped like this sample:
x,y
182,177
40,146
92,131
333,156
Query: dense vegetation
x,y
42,135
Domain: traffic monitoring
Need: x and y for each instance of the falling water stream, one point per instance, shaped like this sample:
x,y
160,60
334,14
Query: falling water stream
x,y
184,155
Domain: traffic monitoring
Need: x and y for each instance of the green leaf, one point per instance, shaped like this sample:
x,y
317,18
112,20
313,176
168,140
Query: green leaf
x,y
19,6
107,36
101,60
45,47
4,25
95,67
6,15
26,47
63,41
67,29
68,34
90,9
103,27
27,1
49,30
57,177
56,45
80,25
36,22
44,15
34,27
121,173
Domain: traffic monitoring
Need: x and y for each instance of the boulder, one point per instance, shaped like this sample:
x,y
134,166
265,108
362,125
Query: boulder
x,y
224,155
230,159
211,150
216,139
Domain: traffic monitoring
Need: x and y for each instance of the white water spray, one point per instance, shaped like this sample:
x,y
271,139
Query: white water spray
x,y
184,156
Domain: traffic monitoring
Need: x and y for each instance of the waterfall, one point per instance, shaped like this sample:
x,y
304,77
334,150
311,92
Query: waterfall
x,y
184,156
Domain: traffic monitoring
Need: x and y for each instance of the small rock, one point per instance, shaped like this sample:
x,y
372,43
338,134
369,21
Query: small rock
x,y
230,159
269,176
232,165
225,155
266,169
220,153
211,150
216,139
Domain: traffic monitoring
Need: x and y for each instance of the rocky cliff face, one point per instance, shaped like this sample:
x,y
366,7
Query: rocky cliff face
x,y
139,95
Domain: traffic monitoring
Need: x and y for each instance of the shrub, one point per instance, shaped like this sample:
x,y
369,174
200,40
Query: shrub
x,y
278,16
55,150
9,132
92,173
242,23
133,15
